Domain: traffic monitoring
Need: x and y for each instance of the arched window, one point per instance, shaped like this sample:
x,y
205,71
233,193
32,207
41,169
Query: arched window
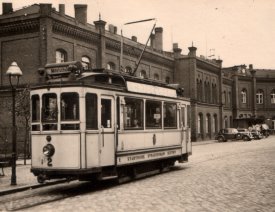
x,y
199,90
260,97
167,80
214,94
244,96
225,122
60,56
215,123
199,123
86,63
208,123
128,69
272,96
111,66
229,99
224,97
205,92
156,77
142,74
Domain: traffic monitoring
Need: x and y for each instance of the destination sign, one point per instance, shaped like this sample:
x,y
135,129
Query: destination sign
x,y
151,89
126,159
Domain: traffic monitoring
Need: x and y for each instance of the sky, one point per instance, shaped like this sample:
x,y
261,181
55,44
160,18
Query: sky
x,y
235,31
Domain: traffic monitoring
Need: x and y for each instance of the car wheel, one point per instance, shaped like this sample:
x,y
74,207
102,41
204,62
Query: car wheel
x,y
220,139
246,138
239,136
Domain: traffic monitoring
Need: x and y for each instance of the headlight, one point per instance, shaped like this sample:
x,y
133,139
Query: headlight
x,y
48,150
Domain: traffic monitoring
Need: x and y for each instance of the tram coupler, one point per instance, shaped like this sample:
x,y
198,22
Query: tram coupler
x,y
41,178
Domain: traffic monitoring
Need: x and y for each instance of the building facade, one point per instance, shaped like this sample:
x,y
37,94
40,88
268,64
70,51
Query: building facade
x,y
39,34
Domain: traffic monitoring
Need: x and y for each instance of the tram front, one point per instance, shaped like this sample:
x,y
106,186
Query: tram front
x,y
56,135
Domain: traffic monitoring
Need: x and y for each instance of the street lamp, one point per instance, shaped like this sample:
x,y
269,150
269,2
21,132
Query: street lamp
x,y
14,73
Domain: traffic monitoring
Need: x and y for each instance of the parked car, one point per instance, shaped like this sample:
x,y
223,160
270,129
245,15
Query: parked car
x,y
228,134
265,130
257,134
245,134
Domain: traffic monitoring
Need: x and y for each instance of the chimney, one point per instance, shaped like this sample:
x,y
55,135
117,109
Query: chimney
x,y
6,8
152,41
176,50
192,51
80,11
45,9
134,38
158,38
62,9
112,29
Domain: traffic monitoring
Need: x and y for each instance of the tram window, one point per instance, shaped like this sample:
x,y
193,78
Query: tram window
x,y
49,107
153,114
35,108
69,106
133,116
106,113
91,111
170,115
49,111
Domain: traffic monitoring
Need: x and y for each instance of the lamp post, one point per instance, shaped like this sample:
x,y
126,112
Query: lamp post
x,y
14,73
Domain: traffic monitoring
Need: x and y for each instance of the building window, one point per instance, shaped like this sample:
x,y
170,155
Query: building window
x,y
86,63
215,123
214,94
260,97
208,123
225,122
229,99
128,70
142,74
156,77
244,96
199,123
60,56
224,97
199,90
167,80
272,96
111,66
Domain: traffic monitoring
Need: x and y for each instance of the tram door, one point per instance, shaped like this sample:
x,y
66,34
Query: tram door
x,y
107,132
185,125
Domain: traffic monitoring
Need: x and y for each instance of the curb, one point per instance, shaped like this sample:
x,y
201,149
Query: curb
x,y
29,187
198,143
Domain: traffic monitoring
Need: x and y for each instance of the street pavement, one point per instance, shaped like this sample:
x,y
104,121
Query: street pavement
x,y
228,176
26,180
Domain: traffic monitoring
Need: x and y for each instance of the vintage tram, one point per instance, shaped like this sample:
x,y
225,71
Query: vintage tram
x,y
98,125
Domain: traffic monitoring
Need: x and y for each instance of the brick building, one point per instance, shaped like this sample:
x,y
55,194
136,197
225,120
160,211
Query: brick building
x,y
39,34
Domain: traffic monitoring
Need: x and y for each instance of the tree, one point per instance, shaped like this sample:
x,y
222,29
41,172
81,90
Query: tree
x,y
22,113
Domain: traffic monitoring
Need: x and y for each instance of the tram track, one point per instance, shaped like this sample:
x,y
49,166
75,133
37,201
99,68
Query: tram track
x,y
49,194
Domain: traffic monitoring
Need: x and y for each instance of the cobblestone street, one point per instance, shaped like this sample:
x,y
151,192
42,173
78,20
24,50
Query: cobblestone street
x,y
230,176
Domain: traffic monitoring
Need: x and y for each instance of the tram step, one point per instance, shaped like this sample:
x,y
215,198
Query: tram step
x,y
146,174
109,177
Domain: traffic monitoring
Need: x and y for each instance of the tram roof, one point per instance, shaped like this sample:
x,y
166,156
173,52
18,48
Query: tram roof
x,y
61,75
